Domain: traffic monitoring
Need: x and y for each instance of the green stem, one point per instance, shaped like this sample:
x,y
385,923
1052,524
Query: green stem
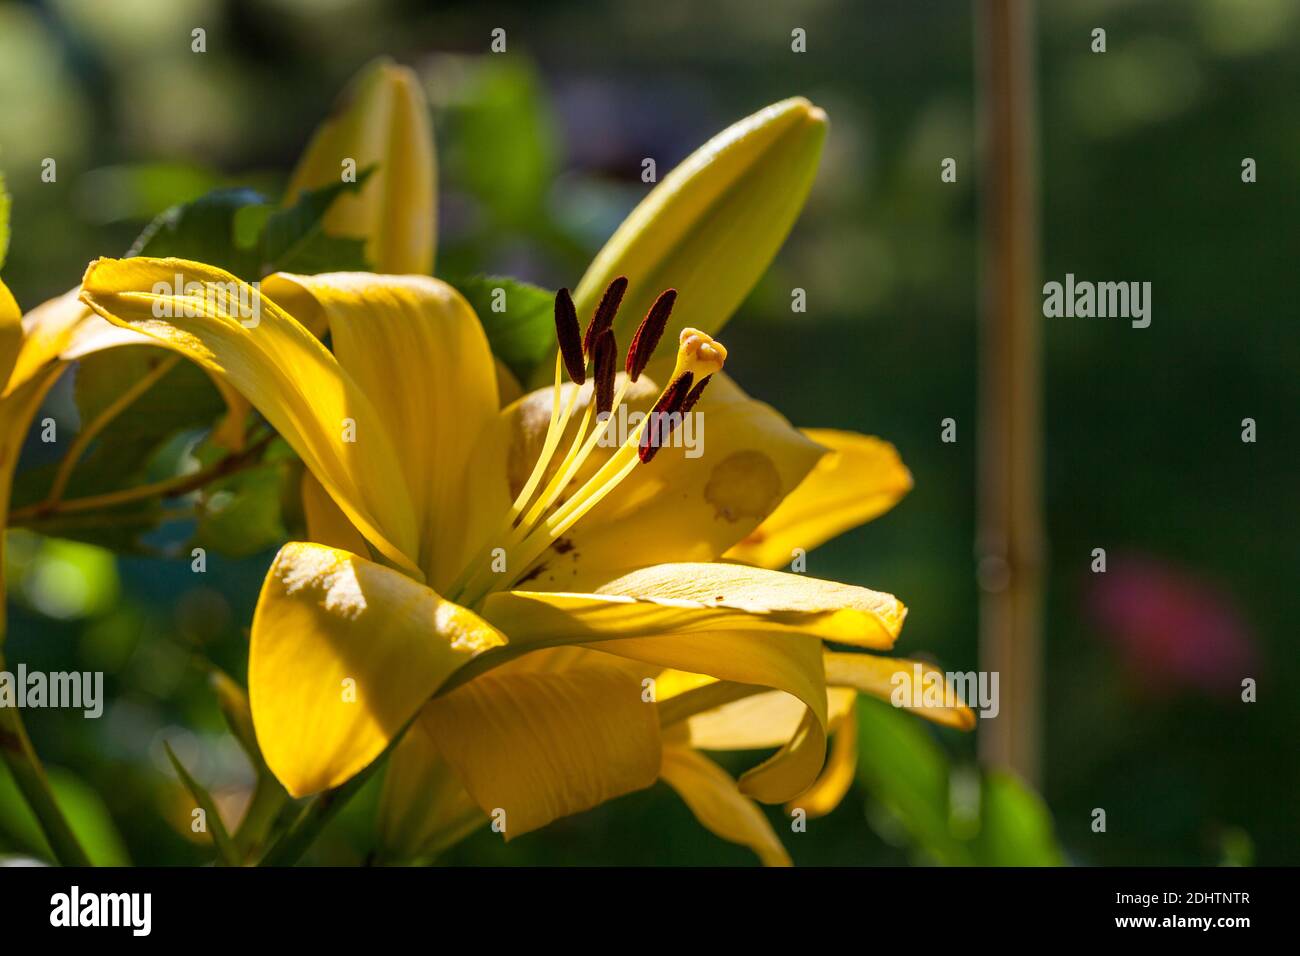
x,y
287,850
268,800
29,775
32,515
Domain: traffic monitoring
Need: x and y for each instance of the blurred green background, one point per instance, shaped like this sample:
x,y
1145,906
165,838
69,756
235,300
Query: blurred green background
x,y
540,152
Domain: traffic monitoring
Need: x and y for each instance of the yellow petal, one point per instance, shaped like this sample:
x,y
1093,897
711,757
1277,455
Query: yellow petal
x,y
687,504
532,747
841,766
713,225
890,679
672,682
382,120
283,370
423,808
344,652
47,331
11,333
719,805
416,350
691,598
93,334
861,478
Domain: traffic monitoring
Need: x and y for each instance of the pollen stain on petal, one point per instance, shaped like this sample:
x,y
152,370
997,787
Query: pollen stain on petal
x,y
327,572
745,484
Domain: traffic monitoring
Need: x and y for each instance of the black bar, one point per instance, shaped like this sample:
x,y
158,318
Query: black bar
x,y
450,906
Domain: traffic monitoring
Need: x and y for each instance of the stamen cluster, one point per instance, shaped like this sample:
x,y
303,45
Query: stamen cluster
x,y
538,518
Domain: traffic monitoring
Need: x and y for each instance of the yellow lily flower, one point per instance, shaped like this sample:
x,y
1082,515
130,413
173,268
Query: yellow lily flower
x,y
617,555
449,577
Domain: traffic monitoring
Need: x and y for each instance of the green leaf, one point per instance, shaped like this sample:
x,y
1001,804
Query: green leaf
x,y
901,765
294,240
1015,826
184,398
240,515
519,320
206,231
903,768
240,231
220,838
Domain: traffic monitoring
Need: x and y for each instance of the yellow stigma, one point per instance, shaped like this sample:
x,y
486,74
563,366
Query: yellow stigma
x,y
698,353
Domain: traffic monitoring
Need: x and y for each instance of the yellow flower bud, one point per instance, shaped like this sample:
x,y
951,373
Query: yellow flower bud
x,y
381,120
712,227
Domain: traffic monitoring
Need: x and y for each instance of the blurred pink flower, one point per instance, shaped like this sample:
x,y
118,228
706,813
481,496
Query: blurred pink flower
x,y
1173,629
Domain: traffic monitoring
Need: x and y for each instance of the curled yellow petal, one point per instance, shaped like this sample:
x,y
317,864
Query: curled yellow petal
x,y
841,766
344,652
48,330
789,662
381,120
761,720
691,598
229,430
718,804
233,331
860,478
713,225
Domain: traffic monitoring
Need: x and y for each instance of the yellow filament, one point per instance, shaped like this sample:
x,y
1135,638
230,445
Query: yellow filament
x,y
554,431
576,458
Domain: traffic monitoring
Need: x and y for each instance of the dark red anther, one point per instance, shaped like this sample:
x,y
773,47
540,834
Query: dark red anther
x,y
605,312
663,418
648,333
695,394
569,337
606,357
